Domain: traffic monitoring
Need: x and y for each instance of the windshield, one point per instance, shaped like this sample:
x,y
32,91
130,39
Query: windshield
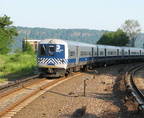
x,y
43,50
51,50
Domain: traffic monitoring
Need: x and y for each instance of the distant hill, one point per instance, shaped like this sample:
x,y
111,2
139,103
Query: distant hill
x,y
81,35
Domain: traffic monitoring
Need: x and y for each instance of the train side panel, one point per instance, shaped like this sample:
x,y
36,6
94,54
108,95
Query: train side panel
x,y
57,57
101,53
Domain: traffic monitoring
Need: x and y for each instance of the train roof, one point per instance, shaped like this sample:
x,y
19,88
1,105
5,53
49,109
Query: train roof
x,y
76,43
132,48
108,46
65,42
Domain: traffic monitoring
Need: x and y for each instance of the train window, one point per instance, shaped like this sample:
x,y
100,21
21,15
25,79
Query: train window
x,y
72,53
109,53
101,53
43,50
85,53
126,53
95,53
112,53
51,50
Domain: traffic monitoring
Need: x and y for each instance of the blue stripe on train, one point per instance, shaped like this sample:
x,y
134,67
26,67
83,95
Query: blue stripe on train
x,y
85,59
82,59
71,60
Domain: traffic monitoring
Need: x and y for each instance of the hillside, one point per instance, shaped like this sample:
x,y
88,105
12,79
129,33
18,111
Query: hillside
x,y
81,35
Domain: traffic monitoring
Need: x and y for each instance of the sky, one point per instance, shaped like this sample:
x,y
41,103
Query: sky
x,y
73,14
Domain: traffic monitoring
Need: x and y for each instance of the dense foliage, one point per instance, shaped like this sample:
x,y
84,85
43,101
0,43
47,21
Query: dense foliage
x,y
6,34
118,38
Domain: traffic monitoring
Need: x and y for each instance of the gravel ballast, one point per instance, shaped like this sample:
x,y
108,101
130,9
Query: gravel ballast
x,y
104,98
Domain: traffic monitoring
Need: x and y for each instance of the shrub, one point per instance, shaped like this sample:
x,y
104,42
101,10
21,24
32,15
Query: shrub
x,y
16,65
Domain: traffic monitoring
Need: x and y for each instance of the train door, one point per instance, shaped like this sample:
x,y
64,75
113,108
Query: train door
x,y
129,53
77,55
97,54
92,55
105,51
117,52
122,52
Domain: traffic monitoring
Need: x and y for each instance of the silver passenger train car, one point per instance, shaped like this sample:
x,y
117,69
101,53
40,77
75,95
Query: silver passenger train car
x,y
57,57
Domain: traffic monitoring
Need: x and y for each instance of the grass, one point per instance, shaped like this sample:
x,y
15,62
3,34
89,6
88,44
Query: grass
x,y
16,65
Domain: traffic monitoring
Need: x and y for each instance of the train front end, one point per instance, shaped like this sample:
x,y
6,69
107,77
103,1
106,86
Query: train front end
x,y
52,57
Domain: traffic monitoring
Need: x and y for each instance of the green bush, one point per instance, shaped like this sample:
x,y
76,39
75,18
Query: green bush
x,y
28,49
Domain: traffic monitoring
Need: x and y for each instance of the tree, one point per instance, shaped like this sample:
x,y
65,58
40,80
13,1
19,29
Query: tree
x,y
132,29
28,48
6,34
118,38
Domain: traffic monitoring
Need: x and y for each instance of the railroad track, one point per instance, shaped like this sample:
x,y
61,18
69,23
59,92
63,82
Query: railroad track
x,y
18,82
133,84
15,100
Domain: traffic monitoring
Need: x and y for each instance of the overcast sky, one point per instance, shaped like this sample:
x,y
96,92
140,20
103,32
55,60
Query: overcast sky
x,y
67,14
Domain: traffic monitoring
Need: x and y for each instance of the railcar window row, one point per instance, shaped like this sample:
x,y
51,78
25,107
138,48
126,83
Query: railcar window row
x,y
101,53
111,53
72,53
85,53
134,53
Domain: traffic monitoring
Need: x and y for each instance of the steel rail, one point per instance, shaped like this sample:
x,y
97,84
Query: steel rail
x,y
132,88
20,87
134,84
31,94
17,82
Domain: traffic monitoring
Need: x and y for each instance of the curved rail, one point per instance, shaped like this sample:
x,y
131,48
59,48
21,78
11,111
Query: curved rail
x,y
17,82
132,87
19,88
132,77
31,94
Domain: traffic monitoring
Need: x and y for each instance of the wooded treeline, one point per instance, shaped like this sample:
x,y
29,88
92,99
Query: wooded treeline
x,y
81,35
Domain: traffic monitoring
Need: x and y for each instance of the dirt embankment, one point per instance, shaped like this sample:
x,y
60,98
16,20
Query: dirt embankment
x,y
104,98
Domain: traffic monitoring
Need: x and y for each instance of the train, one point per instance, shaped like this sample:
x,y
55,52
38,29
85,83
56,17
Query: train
x,y
58,57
